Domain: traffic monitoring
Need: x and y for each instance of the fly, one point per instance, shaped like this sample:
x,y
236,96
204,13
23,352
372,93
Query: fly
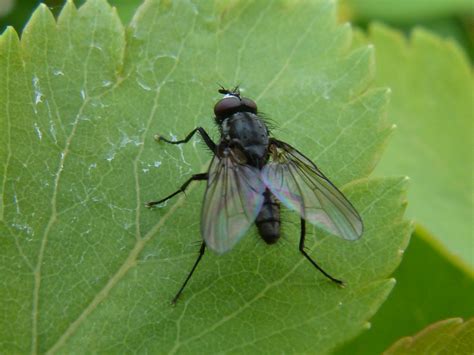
x,y
250,174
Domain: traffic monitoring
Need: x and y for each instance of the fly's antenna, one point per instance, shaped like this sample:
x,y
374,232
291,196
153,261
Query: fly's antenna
x,y
222,89
234,92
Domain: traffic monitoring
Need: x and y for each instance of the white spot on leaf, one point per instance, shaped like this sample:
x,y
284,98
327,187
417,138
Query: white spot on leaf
x,y
17,205
37,89
23,227
52,130
38,131
143,85
96,46
124,141
110,155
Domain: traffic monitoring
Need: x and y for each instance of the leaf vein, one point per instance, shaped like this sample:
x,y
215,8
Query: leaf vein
x,y
54,213
131,259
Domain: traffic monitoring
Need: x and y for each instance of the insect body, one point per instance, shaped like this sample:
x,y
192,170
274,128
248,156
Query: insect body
x,y
250,174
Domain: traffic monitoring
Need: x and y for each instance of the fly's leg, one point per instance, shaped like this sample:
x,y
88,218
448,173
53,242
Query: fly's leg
x,y
202,176
302,236
201,253
202,132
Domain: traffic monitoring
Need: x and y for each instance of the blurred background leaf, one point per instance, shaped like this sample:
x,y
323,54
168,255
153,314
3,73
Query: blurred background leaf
x,y
450,336
17,12
450,19
431,104
432,88
430,287
404,11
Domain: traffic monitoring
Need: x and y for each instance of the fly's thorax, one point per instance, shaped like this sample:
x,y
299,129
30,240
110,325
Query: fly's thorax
x,y
247,131
245,127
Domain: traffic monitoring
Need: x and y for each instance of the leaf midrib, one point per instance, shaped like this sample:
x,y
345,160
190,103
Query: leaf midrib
x,y
130,261
53,216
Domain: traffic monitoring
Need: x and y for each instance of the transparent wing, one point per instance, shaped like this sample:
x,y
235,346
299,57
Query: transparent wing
x,y
301,186
233,198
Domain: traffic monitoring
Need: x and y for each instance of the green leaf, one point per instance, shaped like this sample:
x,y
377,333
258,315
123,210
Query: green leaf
x,y
432,107
430,286
86,268
404,11
450,336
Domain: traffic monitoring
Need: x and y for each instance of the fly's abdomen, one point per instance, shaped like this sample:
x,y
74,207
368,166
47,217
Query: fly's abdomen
x,y
268,220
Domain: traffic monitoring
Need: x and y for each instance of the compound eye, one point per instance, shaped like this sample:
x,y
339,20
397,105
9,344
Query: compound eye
x,y
227,106
250,105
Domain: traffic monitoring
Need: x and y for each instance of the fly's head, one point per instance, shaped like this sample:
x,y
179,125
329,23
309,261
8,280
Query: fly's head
x,y
232,103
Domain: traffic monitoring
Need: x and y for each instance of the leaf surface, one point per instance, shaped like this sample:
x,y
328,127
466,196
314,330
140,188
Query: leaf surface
x,y
86,268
